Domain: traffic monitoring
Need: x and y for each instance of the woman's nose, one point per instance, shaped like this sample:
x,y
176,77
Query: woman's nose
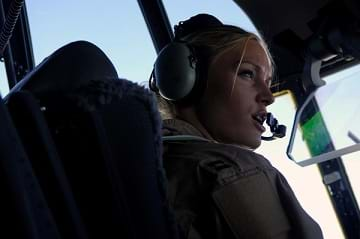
x,y
265,95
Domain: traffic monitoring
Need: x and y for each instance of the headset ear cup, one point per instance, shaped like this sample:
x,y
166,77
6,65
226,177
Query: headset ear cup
x,y
175,71
152,83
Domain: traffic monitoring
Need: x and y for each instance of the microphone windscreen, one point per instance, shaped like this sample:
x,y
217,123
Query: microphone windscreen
x,y
280,132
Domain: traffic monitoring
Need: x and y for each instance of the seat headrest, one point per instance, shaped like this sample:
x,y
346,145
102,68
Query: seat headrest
x,y
68,68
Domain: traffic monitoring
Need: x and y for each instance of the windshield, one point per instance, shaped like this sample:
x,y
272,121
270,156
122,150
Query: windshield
x,y
4,86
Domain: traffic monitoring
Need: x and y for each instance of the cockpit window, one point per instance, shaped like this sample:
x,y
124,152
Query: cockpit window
x,y
4,86
117,27
333,129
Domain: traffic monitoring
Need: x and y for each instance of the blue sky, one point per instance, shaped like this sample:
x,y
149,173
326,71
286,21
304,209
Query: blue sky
x,y
117,27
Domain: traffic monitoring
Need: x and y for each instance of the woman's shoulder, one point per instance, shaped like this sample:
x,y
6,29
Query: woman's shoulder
x,y
187,150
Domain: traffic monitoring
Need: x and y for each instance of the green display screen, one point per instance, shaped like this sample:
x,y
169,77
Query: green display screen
x,y
316,136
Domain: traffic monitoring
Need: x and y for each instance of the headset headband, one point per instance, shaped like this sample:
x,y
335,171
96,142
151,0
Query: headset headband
x,y
200,23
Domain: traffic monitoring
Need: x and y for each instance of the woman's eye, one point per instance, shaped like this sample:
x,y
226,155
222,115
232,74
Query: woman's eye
x,y
247,74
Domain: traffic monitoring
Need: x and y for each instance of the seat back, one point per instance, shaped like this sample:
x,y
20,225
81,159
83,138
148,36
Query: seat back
x,y
44,159
107,134
115,145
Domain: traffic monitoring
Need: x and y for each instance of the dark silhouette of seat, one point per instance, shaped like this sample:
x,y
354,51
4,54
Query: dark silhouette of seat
x,y
24,210
107,135
41,150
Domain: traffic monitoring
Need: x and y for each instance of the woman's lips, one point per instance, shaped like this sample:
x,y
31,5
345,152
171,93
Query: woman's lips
x,y
259,126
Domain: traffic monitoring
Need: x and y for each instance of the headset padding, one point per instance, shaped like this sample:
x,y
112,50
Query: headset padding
x,y
175,71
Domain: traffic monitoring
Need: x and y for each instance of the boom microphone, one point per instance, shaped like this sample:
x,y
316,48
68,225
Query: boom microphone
x,y
279,131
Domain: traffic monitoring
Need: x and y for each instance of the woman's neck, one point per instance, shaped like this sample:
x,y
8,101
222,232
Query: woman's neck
x,y
189,115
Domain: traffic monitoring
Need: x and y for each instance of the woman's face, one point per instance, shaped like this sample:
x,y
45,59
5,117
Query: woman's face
x,y
234,105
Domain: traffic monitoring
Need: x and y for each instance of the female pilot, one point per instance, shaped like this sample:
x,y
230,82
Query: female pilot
x,y
213,87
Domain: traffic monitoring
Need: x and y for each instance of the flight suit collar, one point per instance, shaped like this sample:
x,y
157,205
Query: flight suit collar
x,y
172,127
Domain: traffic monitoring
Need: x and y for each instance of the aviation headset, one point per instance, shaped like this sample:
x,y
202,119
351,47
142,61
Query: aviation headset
x,y
180,70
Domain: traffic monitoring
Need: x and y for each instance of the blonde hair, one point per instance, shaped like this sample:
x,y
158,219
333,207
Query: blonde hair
x,y
217,41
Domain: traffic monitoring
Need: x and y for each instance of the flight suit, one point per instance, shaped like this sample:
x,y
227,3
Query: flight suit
x,y
225,191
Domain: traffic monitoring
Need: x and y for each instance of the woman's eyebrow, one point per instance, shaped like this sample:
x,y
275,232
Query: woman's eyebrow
x,y
258,67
